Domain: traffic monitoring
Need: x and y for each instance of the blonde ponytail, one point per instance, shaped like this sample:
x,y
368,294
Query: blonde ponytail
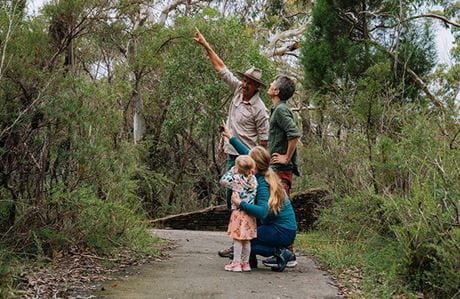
x,y
277,193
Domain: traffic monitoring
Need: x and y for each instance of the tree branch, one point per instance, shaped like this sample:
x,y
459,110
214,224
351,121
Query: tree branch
x,y
31,106
430,15
9,32
172,6
74,32
418,81
283,50
451,145
286,34
434,16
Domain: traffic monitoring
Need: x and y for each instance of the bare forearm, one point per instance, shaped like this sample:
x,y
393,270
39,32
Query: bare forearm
x,y
215,60
292,145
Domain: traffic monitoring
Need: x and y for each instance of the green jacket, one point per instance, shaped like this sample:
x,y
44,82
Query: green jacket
x,y
282,129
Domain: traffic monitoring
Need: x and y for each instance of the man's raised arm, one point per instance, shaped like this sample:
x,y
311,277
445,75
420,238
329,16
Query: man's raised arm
x,y
215,60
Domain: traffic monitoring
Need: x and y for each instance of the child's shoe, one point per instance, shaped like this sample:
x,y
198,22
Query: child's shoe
x,y
233,267
245,266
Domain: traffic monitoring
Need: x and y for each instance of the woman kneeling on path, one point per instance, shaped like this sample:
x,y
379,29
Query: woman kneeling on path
x,y
277,226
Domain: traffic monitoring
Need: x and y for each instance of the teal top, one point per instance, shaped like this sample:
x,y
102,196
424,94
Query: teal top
x,y
285,218
282,129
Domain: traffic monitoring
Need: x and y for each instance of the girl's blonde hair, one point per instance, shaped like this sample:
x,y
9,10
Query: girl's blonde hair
x,y
245,164
277,194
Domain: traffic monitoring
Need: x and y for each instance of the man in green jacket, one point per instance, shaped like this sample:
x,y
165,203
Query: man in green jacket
x,y
283,137
283,133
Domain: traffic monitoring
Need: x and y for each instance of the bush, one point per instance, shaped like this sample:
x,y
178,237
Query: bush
x,y
359,216
402,204
6,273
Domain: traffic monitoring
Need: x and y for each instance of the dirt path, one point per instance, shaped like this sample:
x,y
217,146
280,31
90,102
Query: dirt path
x,y
195,271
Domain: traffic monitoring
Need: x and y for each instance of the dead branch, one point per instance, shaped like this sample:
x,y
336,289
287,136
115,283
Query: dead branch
x,y
173,5
9,31
285,35
285,50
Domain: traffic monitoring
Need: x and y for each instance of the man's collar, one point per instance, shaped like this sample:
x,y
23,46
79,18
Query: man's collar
x,y
279,103
252,100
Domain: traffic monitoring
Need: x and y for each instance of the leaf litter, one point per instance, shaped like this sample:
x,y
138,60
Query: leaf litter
x,y
78,272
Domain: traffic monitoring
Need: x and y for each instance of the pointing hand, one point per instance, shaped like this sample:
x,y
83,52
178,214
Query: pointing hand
x,y
199,38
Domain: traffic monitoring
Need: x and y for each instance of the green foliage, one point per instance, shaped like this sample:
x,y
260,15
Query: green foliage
x,y
424,222
68,177
414,208
186,106
393,168
417,219
6,274
106,225
328,52
337,51
374,260
368,102
69,173
357,212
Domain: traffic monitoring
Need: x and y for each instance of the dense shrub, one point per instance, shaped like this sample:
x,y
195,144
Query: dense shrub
x,y
389,158
414,207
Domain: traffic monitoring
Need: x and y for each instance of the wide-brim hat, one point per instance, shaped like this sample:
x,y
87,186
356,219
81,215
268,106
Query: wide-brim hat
x,y
254,74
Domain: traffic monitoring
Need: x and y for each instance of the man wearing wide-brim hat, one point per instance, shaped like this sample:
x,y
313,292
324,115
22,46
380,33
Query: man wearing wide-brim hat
x,y
247,115
247,88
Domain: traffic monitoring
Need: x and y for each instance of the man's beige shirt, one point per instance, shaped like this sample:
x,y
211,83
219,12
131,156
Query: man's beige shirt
x,y
247,121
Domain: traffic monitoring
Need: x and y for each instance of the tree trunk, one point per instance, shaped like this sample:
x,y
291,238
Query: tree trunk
x,y
139,121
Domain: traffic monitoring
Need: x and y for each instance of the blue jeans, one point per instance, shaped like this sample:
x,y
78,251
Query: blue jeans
x,y
271,237
228,192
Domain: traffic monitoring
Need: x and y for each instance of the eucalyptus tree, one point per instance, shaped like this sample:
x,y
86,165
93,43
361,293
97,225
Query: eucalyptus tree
x,y
347,39
348,36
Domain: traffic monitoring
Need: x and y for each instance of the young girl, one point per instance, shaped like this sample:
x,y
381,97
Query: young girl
x,y
242,227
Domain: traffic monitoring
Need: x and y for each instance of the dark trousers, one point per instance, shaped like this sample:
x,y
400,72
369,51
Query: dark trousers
x,y
270,238
228,192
